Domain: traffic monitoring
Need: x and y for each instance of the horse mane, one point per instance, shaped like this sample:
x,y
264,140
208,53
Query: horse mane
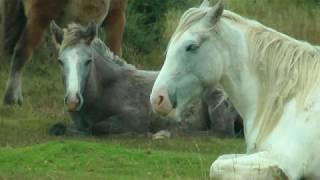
x,y
195,14
287,69
73,34
103,50
190,17
76,33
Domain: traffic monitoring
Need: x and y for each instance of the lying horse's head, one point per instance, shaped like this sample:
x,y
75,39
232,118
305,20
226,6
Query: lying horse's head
x,y
195,59
75,58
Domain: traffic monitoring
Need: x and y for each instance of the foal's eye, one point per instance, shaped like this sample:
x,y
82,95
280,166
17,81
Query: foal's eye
x,y
88,62
60,62
192,47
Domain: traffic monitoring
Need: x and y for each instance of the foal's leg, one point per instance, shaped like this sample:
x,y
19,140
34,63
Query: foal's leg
x,y
79,127
114,25
28,41
123,123
253,166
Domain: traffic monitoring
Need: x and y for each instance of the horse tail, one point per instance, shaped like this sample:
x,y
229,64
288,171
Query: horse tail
x,y
13,23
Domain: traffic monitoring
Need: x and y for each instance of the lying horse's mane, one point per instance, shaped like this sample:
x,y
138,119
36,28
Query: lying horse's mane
x,y
104,51
287,68
190,17
75,33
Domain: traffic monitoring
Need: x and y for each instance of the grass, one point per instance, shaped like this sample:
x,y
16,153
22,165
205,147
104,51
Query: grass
x,y
27,152
113,159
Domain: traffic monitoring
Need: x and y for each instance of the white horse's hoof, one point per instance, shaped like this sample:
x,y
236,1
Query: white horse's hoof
x,y
239,167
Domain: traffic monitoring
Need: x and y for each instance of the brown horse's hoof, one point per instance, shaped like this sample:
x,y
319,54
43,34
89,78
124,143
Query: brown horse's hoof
x,y
10,99
12,96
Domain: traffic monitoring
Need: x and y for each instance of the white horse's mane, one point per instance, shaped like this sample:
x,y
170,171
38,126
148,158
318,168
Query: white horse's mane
x,y
286,68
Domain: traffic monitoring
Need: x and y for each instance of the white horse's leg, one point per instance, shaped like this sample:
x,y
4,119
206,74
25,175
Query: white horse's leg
x,y
255,166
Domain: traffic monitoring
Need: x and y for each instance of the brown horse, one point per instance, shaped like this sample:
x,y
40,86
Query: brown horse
x,y
24,22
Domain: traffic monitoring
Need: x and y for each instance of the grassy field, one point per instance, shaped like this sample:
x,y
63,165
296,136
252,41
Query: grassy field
x,y
27,152
114,159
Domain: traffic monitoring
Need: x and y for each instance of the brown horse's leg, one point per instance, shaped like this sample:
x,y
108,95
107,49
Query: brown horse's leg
x,y
28,41
114,25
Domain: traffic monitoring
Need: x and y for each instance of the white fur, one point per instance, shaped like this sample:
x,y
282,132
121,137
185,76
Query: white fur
x,y
73,83
273,81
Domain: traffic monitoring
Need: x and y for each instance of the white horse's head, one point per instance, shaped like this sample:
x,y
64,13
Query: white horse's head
x,y
198,55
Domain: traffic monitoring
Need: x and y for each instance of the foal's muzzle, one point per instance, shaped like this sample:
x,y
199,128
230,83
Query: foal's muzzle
x,y
73,101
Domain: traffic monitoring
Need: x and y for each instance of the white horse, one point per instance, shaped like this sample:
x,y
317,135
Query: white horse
x,y
273,81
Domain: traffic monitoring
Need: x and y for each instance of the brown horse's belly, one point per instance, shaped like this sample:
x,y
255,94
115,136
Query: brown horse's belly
x,y
84,11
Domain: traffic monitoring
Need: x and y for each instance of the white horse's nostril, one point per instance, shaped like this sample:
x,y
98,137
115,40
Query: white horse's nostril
x,y
160,102
161,99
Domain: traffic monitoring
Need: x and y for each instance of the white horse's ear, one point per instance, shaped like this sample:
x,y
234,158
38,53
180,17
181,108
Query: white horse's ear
x,y
57,33
204,4
215,13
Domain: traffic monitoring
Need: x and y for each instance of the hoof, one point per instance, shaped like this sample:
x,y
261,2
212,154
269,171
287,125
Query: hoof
x,y
58,129
11,99
163,134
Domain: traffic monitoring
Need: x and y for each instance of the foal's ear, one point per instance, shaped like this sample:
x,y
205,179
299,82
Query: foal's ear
x,y
204,4
91,32
56,32
215,12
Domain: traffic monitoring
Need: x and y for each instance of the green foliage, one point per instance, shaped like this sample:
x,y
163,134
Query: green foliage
x,y
150,23
144,22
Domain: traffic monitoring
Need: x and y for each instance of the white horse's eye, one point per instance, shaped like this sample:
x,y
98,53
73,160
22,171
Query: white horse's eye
x,y
60,62
192,47
88,62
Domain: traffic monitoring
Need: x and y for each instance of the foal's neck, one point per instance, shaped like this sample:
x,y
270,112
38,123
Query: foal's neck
x,y
102,74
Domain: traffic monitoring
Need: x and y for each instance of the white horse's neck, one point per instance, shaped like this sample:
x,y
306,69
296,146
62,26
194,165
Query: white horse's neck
x,y
252,62
240,83
241,89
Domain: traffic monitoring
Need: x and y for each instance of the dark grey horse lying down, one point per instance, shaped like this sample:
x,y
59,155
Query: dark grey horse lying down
x,y
105,95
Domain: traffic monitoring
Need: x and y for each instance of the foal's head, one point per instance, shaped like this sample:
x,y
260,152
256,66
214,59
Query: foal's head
x,y
75,58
